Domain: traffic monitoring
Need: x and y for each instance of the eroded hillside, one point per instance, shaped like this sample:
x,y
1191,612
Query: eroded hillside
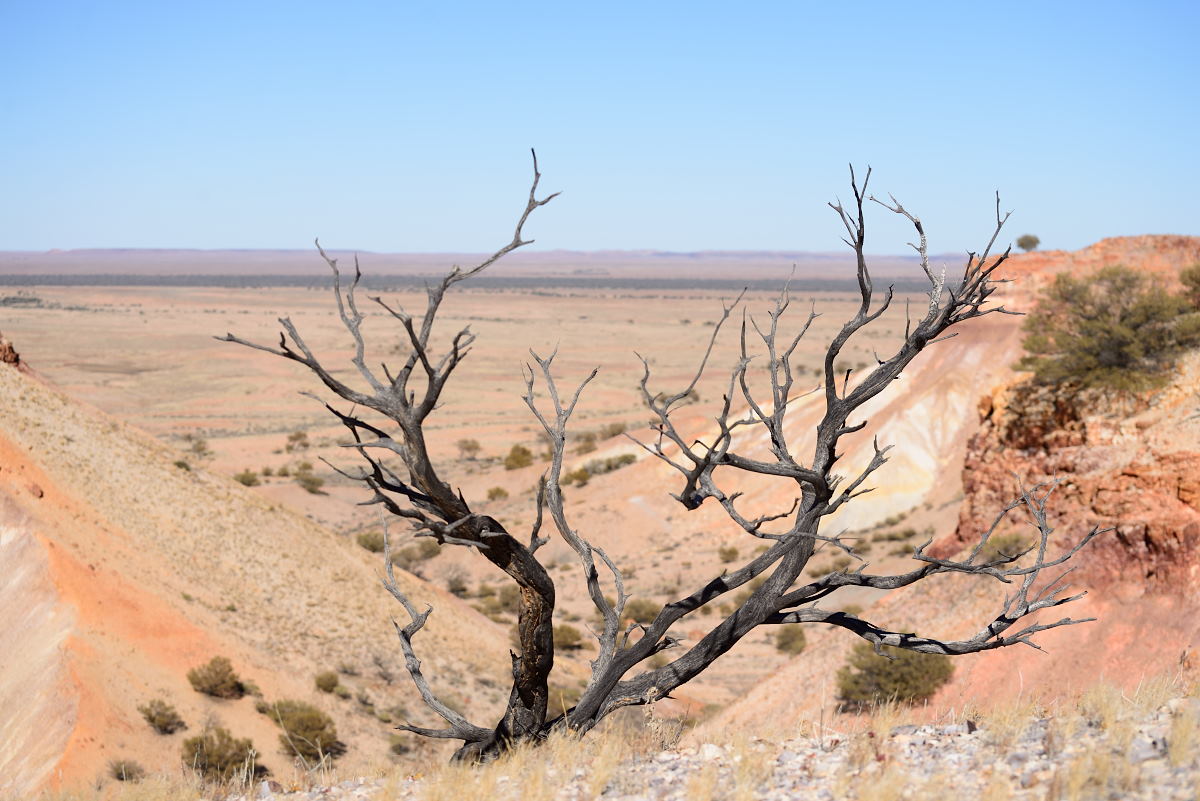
x,y
123,570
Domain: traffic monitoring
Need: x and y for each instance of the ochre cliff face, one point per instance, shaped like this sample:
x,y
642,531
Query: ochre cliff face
x,y
1136,471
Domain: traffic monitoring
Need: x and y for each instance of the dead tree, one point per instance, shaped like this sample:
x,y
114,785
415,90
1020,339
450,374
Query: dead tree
x,y
402,477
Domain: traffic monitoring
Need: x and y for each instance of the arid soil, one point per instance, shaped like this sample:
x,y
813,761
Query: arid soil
x,y
146,558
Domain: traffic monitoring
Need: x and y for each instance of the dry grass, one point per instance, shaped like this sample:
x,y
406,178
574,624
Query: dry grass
x,y
581,769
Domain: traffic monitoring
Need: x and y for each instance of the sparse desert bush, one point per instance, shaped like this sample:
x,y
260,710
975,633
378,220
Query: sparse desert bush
x,y
727,553
371,540
519,456
182,465
297,441
598,467
327,681
587,443
612,430
579,477
567,637
310,483
399,744
1002,545
307,731
790,639
267,471
246,478
342,691
456,582
126,770
161,716
908,677
497,494
218,756
468,448
643,610
217,678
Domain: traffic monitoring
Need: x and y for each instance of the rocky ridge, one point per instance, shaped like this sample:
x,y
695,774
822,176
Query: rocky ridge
x,y
1100,755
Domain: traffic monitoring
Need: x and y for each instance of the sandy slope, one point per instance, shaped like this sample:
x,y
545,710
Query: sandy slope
x,y
123,571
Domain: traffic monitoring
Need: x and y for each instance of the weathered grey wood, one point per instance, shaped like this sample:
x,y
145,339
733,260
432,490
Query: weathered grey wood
x,y
434,509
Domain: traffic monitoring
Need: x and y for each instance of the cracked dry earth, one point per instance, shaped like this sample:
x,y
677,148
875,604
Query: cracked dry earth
x,y
1155,757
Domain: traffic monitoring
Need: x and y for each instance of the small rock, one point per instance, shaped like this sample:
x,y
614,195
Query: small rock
x,y
711,751
267,789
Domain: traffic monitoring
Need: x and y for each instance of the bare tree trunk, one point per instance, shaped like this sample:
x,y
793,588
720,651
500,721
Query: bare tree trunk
x,y
434,509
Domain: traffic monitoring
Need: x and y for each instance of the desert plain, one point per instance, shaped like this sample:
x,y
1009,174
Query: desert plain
x,y
122,441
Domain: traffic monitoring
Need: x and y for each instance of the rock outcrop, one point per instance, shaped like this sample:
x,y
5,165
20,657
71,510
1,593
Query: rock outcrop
x,y
1135,470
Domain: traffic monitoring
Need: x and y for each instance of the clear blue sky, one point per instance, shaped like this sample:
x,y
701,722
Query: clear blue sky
x,y
405,126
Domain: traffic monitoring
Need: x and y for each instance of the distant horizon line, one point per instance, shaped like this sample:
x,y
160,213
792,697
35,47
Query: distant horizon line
x,y
515,254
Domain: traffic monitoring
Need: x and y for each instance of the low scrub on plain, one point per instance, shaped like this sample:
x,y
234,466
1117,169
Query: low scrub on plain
x,y
519,456
217,678
327,681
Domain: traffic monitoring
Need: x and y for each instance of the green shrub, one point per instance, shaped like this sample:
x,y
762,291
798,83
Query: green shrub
x,y
1028,242
398,745
162,717
327,681
643,610
371,540
126,770
727,553
497,494
790,639
307,731
909,677
217,679
518,457
1111,330
567,637
247,478
219,757
342,691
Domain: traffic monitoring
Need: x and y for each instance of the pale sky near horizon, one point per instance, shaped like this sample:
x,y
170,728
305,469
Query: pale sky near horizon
x,y
675,126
